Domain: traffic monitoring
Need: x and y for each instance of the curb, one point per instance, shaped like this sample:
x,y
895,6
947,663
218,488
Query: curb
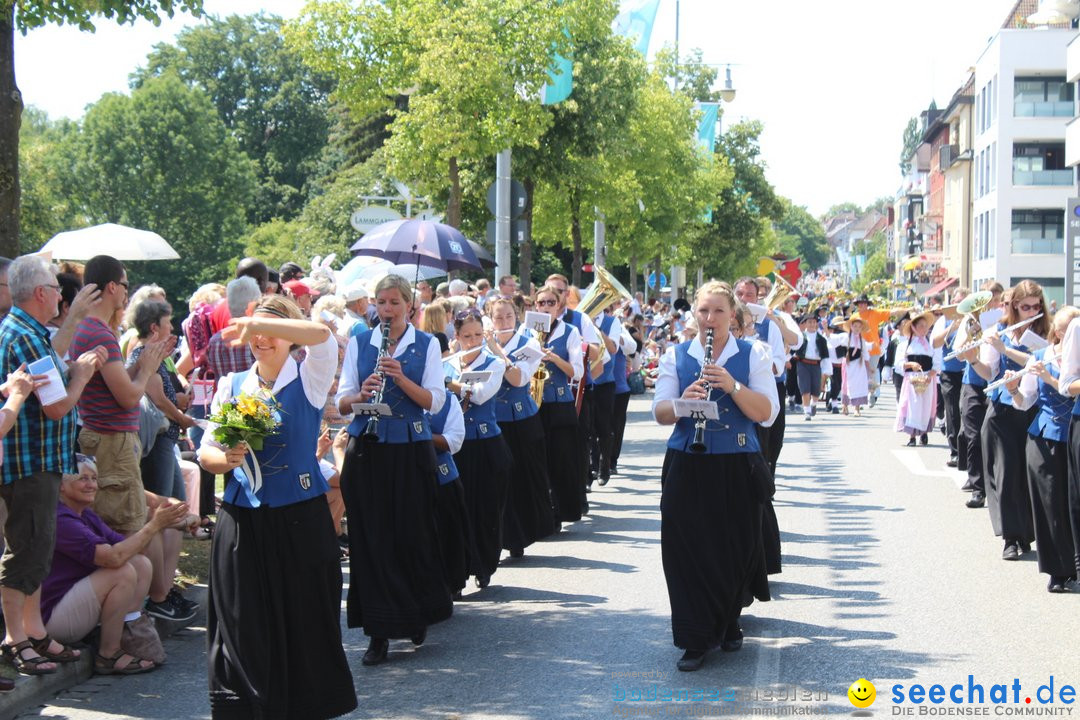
x,y
33,691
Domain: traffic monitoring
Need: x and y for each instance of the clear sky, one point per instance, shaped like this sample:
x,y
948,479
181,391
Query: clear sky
x,y
833,81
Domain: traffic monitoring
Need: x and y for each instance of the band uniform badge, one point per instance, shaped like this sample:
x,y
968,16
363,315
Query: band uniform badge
x,y
305,481
518,407
483,428
444,469
418,427
741,439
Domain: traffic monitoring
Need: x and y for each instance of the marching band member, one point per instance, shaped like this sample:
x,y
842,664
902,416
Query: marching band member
x,y
484,459
275,597
1004,429
396,586
452,516
528,515
627,348
973,414
1047,456
1069,385
564,363
772,331
915,358
711,502
942,338
603,396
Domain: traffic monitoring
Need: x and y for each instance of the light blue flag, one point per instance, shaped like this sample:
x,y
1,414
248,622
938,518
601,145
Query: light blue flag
x,y
561,74
706,129
635,21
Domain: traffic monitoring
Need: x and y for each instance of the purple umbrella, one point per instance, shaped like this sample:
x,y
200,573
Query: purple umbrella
x,y
420,242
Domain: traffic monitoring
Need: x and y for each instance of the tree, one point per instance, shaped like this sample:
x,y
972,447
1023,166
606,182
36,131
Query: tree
x,y
800,235
48,204
472,78
911,144
162,160
275,106
32,14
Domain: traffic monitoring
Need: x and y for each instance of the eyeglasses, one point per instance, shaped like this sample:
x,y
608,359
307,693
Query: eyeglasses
x,y
54,287
466,314
124,283
547,303
1028,308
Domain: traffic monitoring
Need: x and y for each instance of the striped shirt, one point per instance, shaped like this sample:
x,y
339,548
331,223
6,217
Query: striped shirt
x,y
97,405
35,443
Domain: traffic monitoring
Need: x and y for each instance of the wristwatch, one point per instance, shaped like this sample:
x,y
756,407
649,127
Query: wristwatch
x,y
736,388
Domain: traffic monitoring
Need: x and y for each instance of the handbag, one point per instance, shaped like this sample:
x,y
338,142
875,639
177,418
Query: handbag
x,y
152,422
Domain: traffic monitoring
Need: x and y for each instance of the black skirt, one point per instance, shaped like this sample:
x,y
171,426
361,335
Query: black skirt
x,y
529,515
710,542
565,459
1048,477
1004,439
274,616
452,520
484,466
396,585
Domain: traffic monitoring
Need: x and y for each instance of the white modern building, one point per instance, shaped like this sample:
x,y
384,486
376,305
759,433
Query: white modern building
x,y
1021,180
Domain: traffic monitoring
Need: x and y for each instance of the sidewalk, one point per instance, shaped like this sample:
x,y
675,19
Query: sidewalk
x,y
31,691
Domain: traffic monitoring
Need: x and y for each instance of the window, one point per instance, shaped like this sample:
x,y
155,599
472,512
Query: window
x,y
993,167
1038,232
993,100
991,249
1040,164
1042,97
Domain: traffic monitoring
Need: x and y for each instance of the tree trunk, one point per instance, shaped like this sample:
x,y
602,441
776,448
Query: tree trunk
x,y
525,251
633,274
11,107
656,269
453,204
575,235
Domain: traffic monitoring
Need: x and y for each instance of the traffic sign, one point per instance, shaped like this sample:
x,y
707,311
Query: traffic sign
x,y
371,216
651,280
1072,248
518,229
518,199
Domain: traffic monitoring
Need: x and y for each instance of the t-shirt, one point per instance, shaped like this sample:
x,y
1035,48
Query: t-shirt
x,y
77,536
98,408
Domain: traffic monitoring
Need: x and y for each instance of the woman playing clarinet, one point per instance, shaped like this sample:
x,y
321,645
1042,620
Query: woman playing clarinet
x,y
712,499
396,586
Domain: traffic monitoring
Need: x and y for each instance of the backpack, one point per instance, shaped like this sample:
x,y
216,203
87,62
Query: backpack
x,y
197,330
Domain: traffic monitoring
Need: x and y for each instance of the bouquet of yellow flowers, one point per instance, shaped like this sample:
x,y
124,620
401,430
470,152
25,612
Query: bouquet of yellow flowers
x,y
249,418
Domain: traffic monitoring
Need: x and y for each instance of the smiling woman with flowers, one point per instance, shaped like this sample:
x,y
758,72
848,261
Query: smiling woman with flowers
x,y
275,576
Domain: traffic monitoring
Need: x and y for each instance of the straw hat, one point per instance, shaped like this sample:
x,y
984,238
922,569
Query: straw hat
x,y
914,316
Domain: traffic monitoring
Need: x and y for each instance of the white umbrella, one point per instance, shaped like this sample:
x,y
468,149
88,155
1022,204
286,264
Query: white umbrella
x,y
367,268
119,241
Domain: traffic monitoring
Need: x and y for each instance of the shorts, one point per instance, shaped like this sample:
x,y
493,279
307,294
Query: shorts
x,y
29,530
809,378
120,501
77,613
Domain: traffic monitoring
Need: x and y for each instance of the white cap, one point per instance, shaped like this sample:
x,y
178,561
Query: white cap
x,y
354,291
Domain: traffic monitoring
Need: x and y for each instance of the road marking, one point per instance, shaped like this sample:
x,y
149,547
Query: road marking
x,y
913,463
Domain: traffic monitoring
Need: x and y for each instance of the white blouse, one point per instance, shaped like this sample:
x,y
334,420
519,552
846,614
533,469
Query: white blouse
x,y
432,381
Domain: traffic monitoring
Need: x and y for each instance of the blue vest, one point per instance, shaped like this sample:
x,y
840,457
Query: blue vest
x,y
999,394
733,432
956,364
973,378
409,423
1052,419
445,469
557,387
290,470
608,374
512,402
619,372
573,317
763,331
480,419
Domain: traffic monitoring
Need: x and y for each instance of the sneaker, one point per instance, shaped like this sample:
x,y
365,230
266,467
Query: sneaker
x,y
813,410
806,417
180,601
167,611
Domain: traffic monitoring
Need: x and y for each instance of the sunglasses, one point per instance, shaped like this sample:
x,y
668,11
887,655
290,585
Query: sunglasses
x,y
1028,308
466,314
547,303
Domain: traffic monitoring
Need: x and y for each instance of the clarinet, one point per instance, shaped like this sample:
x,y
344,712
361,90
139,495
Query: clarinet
x,y
698,444
371,432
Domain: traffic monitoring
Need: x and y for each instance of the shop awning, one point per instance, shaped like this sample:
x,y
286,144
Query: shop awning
x,y
941,286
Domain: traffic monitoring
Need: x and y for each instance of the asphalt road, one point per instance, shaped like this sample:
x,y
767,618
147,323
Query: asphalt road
x,y
887,576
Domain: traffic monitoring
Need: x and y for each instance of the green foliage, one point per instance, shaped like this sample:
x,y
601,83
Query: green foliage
x,y
800,235
690,75
31,14
47,205
272,103
910,144
876,267
161,159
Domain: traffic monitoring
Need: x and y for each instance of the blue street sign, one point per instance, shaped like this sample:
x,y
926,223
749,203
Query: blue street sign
x,y
651,281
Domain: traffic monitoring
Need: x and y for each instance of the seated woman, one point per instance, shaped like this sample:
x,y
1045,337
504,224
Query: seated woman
x,y
98,575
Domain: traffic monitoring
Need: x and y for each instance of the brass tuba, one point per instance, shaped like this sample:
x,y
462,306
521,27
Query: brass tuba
x,y
970,331
604,291
781,291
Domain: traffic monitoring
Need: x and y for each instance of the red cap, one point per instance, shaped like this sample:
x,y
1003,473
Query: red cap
x,y
298,288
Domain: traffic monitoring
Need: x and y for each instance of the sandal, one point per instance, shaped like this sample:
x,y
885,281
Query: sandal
x,y
66,655
111,665
25,665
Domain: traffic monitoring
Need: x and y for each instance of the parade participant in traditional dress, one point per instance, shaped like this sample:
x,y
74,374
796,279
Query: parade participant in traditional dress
x,y
918,395
1047,456
711,503
854,366
627,348
812,364
275,575
528,516
942,338
484,460
447,434
603,397
396,586
563,361
1004,430
1069,385
973,405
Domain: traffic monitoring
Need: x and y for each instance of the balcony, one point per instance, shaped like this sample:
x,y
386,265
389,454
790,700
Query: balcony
x,y
1042,177
949,155
1047,108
